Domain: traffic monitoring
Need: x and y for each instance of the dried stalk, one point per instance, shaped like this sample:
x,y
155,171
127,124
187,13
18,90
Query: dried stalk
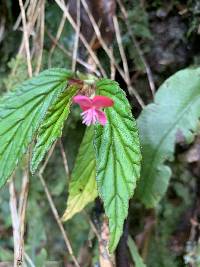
x,y
18,218
58,220
78,22
109,53
41,41
21,213
47,158
105,260
68,54
36,12
55,41
15,219
53,208
26,39
121,49
138,49
112,70
28,259
64,158
19,19
84,41
33,12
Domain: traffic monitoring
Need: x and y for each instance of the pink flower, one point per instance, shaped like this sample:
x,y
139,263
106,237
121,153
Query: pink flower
x,y
91,107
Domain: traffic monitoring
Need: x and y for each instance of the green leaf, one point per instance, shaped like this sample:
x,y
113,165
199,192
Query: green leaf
x,y
21,113
176,110
135,254
51,128
82,187
117,157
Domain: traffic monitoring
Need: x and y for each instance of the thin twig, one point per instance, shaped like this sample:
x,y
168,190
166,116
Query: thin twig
x,y
47,158
98,35
15,219
121,49
21,214
57,218
112,70
84,41
64,158
2,28
41,43
105,260
18,21
56,39
53,207
96,29
68,54
78,22
33,12
93,227
32,15
131,89
138,49
25,179
28,259
18,216
27,47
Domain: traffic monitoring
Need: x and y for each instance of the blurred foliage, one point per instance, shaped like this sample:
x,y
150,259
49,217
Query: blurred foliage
x,y
18,73
168,244
138,20
194,9
170,219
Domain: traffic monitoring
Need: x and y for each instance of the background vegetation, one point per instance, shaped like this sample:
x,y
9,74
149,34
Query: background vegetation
x,y
158,39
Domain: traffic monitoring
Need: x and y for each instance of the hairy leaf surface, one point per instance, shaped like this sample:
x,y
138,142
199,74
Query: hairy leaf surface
x,y
51,128
82,187
118,158
21,113
176,111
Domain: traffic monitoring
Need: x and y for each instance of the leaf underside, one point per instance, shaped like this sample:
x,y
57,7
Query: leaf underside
x,y
117,158
21,113
176,109
52,125
82,187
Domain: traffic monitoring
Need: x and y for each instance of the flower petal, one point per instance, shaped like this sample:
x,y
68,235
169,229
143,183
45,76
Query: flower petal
x,y
89,116
102,101
101,117
84,101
